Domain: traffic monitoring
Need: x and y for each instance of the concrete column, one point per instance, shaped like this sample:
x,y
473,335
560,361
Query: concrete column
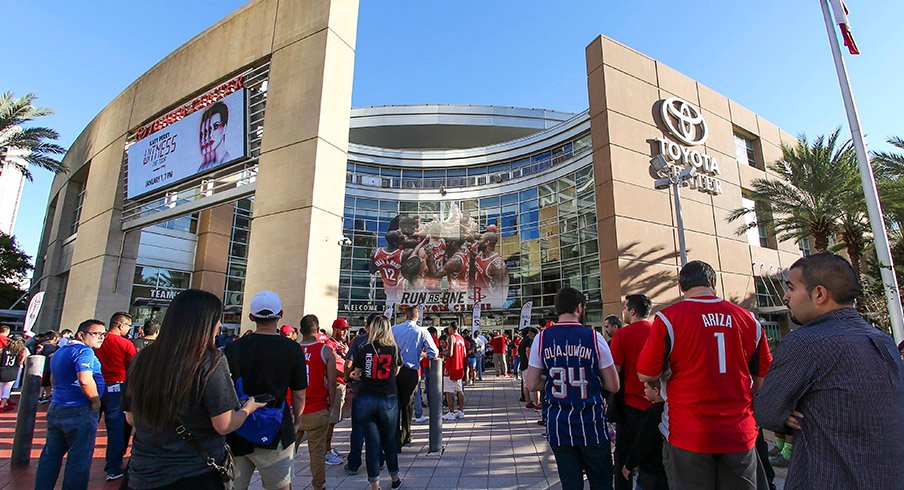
x,y
299,199
211,254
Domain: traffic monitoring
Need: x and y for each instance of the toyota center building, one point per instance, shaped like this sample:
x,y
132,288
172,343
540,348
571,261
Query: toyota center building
x,y
237,164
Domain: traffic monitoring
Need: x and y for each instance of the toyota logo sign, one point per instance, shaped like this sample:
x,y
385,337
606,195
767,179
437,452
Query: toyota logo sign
x,y
684,120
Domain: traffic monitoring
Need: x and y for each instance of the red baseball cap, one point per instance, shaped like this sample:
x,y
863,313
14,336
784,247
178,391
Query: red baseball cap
x,y
340,323
286,329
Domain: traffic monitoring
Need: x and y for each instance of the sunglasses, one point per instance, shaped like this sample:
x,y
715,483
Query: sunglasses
x,y
99,335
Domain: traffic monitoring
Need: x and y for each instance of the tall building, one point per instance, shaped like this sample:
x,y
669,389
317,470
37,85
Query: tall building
x,y
237,164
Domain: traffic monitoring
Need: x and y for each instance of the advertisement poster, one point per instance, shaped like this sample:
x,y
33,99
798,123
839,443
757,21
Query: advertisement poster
x,y
34,308
201,141
525,315
444,263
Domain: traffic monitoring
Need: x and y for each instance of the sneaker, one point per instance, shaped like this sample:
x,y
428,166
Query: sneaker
x,y
449,416
421,420
460,414
333,451
332,459
397,483
779,461
350,471
115,476
529,406
541,422
538,408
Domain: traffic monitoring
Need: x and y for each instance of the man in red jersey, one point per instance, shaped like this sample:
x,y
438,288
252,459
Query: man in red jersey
x,y
338,343
499,343
114,356
711,356
315,418
454,367
490,272
626,344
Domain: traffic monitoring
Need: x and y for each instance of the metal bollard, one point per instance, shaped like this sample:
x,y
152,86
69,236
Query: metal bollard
x,y
28,407
435,400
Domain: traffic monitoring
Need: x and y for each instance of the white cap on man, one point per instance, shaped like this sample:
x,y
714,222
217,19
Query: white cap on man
x,y
266,305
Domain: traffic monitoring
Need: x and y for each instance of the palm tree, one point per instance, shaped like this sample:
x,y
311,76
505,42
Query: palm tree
x,y
889,169
35,142
808,199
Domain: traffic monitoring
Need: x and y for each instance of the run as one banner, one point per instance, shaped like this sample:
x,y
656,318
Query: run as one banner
x,y
444,263
203,140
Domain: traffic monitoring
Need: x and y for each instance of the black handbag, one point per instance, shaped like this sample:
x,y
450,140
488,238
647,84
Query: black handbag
x,y
226,469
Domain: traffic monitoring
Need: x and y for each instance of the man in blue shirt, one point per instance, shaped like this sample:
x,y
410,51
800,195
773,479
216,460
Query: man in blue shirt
x,y
412,340
73,414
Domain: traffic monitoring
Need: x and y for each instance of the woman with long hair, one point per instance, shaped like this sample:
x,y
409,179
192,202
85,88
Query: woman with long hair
x,y
11,358
182,380
376,409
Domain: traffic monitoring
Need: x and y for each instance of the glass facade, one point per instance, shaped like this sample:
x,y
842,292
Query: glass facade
x,y
237,262
545,234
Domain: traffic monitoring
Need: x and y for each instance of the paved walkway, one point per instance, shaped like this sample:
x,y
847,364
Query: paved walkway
x,y
497,445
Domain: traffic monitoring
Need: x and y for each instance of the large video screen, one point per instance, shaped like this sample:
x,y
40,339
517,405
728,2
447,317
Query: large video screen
x,y
202,141
448,261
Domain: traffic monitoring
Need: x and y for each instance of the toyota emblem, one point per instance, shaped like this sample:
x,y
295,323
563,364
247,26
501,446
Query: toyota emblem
x,y
684,120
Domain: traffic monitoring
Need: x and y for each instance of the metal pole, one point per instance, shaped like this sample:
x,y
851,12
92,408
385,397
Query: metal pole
x,y
435,400
682,246
873,206
28,406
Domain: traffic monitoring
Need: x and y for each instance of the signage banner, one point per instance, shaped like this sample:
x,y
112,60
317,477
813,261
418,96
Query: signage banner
x,y
201,141
445,263
475,318
34,307
389,311
525,315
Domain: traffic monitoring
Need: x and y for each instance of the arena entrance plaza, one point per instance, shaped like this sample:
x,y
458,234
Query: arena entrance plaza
x,y
497,445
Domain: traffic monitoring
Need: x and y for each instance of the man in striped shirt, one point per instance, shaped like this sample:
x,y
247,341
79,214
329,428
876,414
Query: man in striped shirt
x,y
577,365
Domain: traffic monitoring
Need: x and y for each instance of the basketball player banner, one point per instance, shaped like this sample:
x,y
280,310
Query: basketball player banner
x,y
445,263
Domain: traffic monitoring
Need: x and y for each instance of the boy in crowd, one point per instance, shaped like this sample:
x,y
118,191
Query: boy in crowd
x,y
645,456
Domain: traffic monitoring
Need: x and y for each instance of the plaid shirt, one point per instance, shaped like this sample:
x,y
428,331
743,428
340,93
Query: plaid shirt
x,y
847,378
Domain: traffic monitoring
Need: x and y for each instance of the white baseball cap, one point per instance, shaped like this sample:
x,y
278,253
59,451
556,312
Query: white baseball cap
x,y
266,305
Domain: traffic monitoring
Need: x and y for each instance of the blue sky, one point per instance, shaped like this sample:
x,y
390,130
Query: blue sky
x,y
771,56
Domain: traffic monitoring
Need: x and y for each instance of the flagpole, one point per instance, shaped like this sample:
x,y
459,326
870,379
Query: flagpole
x,y
873,207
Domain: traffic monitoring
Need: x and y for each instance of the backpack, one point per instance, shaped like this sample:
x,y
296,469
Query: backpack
x,y
262,426
9,365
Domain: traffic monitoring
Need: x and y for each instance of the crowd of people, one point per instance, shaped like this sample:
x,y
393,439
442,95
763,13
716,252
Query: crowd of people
x,y
689,392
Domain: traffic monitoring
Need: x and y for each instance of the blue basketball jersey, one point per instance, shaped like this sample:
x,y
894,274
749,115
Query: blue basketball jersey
x,y
574,409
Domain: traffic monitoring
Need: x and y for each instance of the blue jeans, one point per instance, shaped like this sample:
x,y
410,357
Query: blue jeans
x,y
69,430
118,431
377,417
356,441
480,366
596,461
418,406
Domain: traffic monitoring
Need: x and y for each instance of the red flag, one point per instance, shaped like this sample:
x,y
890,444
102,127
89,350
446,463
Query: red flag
x,y
840,11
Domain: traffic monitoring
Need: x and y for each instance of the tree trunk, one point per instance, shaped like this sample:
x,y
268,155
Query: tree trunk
x,y
820,241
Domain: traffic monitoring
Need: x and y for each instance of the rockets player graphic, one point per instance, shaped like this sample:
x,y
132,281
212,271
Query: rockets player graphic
x,y
388,262
491,277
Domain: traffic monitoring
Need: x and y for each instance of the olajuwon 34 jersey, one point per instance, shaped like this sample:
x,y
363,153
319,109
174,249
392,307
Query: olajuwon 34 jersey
x,y
571,356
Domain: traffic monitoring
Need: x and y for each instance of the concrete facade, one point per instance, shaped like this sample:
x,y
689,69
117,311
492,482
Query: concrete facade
x,y
310,45
637,223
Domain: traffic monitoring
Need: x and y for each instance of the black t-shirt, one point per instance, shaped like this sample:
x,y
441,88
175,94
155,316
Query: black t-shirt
x,y
471,347
267,364
161,458
378,364
356,344
524,352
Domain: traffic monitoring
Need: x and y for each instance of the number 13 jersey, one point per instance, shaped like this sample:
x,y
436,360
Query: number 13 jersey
x,y
378,364
709,349
571,355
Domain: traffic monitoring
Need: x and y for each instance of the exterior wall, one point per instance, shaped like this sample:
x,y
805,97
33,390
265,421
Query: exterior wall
x,y
637,223
311,49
